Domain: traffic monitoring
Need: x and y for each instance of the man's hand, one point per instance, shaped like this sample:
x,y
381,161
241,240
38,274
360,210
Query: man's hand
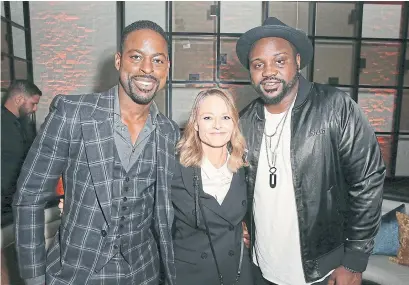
x,y
341,276
246,236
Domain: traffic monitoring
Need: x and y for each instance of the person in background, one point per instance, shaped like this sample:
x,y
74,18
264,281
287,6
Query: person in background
x,y
315,172
19,102
116,154
209,195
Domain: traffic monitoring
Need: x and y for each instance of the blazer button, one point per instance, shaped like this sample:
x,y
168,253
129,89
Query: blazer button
x,y
204,255
127,179
247,178
244,202
116,246
231,228
103,233
231,253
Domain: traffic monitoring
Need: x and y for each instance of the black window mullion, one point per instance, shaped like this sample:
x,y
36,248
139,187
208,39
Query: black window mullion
x,y
120,18
312,13
359,8
29,54
264,10
399,93
14,24
9,39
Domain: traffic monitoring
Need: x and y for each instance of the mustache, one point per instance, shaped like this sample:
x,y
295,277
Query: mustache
x,y
148,76
273,78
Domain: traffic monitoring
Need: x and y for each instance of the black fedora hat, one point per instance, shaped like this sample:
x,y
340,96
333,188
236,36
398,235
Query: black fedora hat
x,y
273,27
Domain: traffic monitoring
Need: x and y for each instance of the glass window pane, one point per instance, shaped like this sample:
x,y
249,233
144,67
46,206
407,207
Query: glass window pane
x,y
193,58
325,61
232,13
195,16
183,96
404,111
406,69
20,69
160,100
243,94
294,14
335,19
385,143
17,12
379,63
146,10
230,67
381,21
5,72
377,104
4,43
19,42
402,158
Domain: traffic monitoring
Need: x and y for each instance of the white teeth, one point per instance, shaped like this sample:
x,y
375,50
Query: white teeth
x,y
144,83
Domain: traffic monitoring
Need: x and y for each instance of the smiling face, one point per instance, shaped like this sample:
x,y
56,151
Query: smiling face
x,y
214,122
143,65
273,69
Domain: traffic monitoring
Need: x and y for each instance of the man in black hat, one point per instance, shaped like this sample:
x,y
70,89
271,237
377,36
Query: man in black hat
x,y
316,172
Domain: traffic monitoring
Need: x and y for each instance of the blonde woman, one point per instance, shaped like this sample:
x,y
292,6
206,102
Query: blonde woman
x,y
209,196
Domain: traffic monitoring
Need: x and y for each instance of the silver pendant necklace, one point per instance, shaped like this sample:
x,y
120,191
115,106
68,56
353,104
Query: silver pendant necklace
x,y
272,165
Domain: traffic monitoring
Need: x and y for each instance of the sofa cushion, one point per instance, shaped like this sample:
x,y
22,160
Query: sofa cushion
x,y
387,239
403,254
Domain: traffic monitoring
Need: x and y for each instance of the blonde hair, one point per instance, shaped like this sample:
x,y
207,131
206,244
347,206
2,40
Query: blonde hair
x,y
190,145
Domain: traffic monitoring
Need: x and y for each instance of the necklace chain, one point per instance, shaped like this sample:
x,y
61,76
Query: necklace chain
x,y
274,155
278,125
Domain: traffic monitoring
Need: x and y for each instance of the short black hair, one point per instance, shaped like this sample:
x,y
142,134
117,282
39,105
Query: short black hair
x,y
22,86
142,25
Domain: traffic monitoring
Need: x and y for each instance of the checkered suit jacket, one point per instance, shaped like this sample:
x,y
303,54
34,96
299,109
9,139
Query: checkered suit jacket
x,y
76,140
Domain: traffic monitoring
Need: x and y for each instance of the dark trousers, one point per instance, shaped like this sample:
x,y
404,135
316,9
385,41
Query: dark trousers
x,y
259,280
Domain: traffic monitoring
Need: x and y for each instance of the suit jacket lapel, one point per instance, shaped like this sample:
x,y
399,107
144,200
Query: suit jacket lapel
x,y
208,201
234,198
97,132
165,157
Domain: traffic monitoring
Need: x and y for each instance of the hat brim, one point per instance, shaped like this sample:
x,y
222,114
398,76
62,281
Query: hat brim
x,y
298,38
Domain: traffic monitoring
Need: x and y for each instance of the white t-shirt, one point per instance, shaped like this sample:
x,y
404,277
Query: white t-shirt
x,y
277,249
216,181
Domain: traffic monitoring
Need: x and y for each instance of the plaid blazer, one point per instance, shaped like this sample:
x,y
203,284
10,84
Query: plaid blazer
x,y
76,141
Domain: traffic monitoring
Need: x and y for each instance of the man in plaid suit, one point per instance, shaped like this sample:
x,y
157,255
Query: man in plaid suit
x,y
115,152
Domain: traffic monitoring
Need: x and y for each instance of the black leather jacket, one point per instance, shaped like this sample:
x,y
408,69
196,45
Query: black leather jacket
x,y
338,175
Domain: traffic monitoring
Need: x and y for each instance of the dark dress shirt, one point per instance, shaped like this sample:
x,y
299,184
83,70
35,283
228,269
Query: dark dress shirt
x,y
15,143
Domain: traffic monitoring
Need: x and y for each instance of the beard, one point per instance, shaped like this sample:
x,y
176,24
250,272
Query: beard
x,y
287,87
139,96
22,112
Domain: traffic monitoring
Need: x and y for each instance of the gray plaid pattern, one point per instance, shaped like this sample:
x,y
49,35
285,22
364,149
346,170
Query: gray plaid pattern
x,y
118,271
76,140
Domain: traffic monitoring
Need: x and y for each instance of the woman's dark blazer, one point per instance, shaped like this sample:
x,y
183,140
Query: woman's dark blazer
x,y
193,257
